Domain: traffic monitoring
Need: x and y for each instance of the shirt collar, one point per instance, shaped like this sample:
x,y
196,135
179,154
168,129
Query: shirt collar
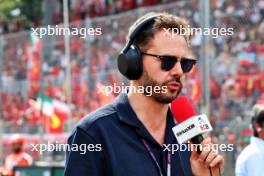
x,y
127,115
125,112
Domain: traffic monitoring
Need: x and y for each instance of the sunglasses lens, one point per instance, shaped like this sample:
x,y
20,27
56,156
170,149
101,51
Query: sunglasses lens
x,y
168,62
187,65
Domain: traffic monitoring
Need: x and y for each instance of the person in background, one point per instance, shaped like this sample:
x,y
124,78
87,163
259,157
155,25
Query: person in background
x,y
18,157
250,161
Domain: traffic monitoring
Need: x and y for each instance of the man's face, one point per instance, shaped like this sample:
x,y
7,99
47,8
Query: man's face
x,y
16,147
260,130
164,44
261,133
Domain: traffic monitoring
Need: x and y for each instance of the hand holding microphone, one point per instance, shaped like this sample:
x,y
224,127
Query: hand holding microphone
x,y
204,160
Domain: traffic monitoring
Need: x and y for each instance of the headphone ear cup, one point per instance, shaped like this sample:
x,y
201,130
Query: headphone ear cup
x,y
130,63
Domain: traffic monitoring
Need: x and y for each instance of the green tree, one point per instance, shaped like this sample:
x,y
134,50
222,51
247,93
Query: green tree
x,y
25,11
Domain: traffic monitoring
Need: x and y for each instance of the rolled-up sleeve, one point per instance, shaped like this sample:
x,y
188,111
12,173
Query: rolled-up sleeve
x,y
80,160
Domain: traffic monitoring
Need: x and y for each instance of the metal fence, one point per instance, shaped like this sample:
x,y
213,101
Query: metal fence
x,y
93,62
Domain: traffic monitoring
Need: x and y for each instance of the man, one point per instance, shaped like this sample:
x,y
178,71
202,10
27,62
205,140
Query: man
x,y
131,131
251,159
19,157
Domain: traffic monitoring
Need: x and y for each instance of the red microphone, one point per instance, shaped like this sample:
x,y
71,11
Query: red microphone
x,y
191,126
182,109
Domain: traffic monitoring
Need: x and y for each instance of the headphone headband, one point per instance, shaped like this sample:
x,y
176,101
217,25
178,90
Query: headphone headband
x,y
130,59
139,27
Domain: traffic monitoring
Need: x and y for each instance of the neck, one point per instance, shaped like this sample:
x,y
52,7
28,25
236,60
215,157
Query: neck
x,y
151,113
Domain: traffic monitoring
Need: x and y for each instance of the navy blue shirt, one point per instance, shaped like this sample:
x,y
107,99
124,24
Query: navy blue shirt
x,y
119,133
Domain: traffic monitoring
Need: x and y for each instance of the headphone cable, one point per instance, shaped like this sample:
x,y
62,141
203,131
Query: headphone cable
x,y
211,174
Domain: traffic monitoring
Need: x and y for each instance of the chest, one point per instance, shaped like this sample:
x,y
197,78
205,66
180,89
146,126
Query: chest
x,y
130,157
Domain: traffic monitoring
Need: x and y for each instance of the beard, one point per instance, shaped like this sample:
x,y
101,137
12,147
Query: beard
x,y
165,98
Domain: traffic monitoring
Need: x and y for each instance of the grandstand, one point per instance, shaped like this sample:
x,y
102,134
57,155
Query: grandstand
x,y
31,67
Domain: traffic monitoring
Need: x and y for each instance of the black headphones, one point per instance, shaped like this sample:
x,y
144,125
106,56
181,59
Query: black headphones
x,y
130,60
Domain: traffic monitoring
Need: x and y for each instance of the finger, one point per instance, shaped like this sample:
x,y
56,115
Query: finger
x,y
202,144
206,141
194,155
204,155
217,170
211,156
206,149
218,160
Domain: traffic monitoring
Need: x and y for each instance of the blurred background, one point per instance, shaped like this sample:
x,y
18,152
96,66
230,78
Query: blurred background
x,y
48,84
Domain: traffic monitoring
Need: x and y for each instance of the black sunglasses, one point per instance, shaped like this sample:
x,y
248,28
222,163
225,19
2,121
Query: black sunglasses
x,y
168,62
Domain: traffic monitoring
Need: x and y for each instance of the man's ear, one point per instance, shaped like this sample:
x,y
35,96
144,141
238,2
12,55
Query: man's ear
x,y
258,127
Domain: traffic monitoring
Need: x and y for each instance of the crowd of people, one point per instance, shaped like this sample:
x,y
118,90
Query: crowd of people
x,y
79,10
237,61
